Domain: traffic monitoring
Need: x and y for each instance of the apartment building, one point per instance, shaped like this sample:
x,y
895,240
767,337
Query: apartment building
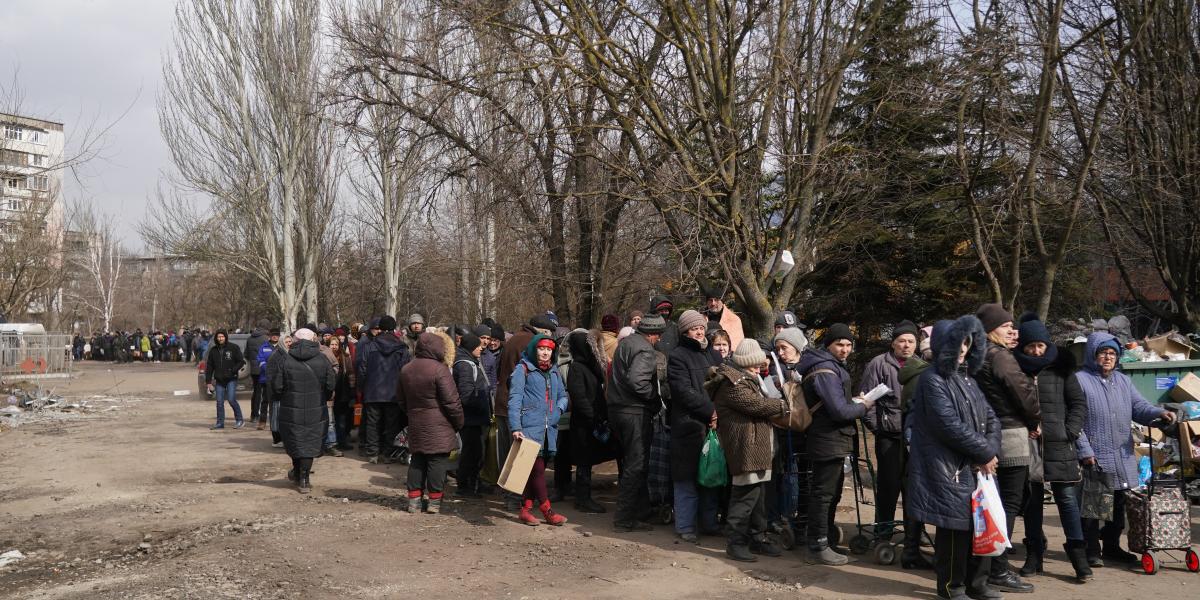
x,y
31,157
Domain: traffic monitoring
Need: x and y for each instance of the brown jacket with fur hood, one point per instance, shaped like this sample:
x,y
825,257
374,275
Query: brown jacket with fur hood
x,y
427,392
743,424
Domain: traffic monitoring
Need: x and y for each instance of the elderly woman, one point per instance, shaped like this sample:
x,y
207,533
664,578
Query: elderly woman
x,y
300,379
425,392
691,416
1112,403
954,434
536,401
744,428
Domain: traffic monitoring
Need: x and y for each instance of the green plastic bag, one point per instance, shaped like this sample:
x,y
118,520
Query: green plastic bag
x,y
713,470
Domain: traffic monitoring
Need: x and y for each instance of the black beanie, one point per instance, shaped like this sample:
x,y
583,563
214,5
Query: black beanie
x,y
993,316
837,331
1032,330
387,323
469,342
498,332
904,327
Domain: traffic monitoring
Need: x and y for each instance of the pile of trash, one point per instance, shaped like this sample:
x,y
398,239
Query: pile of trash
x,y
22,404
1074,329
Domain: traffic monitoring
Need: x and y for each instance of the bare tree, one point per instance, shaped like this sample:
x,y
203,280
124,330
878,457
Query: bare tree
x,y
241,115
100,261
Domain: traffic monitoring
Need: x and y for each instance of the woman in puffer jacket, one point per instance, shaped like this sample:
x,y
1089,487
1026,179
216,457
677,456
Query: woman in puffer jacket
x,y
426,393
953,434
536,400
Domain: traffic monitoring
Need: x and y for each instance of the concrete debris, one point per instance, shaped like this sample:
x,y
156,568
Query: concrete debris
x,y
10,557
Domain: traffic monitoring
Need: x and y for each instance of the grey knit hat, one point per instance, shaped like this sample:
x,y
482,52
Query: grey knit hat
x,y
652,324
416,318
749,355
794,338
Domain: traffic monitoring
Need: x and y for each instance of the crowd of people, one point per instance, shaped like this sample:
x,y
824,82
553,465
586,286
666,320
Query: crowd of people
x,y
188,345
981,395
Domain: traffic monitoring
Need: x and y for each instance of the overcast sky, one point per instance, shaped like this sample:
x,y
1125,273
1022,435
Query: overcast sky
x,y
90,60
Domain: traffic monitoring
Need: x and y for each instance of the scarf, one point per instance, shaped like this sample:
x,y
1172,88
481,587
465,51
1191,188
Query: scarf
x,y
1032,365
544,366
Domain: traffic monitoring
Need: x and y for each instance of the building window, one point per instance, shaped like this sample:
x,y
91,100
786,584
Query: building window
x,y
12,183
40,183
12,132
16,204
37,160
37,136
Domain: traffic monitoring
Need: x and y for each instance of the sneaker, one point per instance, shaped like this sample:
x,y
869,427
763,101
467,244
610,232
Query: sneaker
x,y
332,451
261,426
373,459
689,537
825,556
216,427
1008,582
239,424
434,507
276,444
986,593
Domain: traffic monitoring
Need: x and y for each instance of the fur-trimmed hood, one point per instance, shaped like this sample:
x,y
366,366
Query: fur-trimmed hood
x,y
585,348
947,340
434,345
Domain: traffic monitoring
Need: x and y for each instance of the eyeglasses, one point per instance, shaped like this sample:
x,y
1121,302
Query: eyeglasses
x,y
1106,354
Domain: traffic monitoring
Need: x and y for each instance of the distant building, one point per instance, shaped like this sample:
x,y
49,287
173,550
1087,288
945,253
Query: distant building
x,y
31,174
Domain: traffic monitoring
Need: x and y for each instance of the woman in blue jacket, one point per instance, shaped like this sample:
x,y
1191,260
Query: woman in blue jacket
x,y
536,400
953,433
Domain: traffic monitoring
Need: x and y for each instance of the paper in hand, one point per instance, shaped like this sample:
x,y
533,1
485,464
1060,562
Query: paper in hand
x,y
878,392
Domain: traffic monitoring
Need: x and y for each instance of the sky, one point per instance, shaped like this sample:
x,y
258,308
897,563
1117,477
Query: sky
x,y
81,62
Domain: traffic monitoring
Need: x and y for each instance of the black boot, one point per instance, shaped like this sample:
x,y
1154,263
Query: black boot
x,y
911,557
1034,549
303,485
1077,552
1093,554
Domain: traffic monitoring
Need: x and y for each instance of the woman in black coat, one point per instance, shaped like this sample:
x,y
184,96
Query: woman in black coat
x,y
691,414
585,387
953,433
301,380
1064,409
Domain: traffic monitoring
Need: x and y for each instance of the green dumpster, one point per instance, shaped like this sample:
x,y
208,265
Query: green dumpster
x,y
1155,379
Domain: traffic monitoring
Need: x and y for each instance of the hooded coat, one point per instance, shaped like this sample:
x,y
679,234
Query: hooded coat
x,y
670,335
427,394
834,424
585,378
536,398
953,429
471,381
909,375
301,378
253,344
690,408
1064,409
743,419
510,357
378,362
1112,403
222,362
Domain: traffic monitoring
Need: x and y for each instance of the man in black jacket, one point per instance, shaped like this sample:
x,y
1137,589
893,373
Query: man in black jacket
x,y
253,343
830,438
378,363
221,366
633,400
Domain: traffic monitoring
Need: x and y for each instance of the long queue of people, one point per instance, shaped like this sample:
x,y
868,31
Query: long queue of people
x,y
137,346
981,394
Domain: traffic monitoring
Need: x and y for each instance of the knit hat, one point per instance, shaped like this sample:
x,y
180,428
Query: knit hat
x,y
904,327
748,354
542,322
662,302
652,324
794,338
625,332
837,331
993,316
374,324
274,331
416,318
610,323
340,331
498,332
481,330
469,342
786,318
690,319
304,334
387,323
1032,330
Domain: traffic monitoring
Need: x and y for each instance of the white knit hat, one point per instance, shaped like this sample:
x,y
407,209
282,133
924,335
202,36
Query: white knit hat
x,y
749,354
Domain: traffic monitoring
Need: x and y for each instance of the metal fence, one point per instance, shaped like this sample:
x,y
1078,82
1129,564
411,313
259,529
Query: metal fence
x,y
34,356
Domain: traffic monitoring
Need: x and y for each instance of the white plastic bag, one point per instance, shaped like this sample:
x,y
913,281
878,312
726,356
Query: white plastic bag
x,y
987,512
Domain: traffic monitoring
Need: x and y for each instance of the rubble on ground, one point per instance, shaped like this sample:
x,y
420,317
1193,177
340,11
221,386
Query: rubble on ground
x,y
24,404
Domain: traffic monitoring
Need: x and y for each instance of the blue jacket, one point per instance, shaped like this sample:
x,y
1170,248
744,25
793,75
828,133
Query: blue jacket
x,y
1112,403
378,362
491,365
264,353
529,409
952,428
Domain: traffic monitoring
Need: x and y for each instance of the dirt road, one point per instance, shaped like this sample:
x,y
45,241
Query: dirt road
x,y
138,499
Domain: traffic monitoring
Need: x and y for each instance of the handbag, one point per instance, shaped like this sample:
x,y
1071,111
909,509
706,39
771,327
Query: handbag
x,y
1096,499
1037,467
491,456
987,513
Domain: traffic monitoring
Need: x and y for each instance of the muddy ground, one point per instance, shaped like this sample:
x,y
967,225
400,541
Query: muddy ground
x,y
131,496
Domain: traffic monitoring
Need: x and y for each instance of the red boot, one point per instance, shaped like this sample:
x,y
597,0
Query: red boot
x,y
526,515
552,518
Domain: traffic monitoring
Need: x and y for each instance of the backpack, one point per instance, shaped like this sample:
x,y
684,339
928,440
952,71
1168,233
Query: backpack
x,y
797,415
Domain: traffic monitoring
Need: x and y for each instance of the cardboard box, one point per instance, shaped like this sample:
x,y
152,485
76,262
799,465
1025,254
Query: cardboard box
x,y
1188,452
1187,389
519,465
1164,345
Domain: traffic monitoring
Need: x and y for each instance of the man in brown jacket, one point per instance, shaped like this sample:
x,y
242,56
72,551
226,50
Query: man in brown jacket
x,y
510,357
744,428
426,392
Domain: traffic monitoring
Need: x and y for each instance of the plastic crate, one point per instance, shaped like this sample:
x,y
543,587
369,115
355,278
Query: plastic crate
x,y
1155,379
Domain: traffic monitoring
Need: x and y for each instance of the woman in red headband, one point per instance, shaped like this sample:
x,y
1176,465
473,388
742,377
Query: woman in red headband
x,y
536,400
